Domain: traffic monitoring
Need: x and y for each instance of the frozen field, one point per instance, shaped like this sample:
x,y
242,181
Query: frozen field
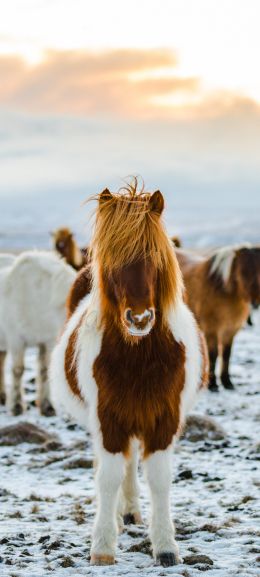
x,y
47,497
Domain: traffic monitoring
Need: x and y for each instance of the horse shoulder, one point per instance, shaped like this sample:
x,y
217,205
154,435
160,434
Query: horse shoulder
x,y
72,382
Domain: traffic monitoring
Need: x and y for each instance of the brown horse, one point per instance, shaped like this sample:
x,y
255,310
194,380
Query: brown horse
x,y
66,245
176,241
220,290
129,364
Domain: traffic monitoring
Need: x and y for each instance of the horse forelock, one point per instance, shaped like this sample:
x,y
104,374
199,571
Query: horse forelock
x,y
126,231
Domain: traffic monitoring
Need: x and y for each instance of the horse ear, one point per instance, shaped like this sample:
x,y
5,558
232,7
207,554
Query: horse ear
x,y
156,202
105,196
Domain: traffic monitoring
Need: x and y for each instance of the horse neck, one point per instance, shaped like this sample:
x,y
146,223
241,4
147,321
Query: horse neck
x,y
75,255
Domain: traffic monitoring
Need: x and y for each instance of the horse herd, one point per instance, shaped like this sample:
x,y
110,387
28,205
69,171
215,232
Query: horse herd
x,y
142,316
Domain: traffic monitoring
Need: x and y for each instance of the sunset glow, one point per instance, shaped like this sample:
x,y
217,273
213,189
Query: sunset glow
x,y
208,49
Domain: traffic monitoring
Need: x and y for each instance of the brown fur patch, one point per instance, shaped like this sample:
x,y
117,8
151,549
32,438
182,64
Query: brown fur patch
x,y
80,288
70,364
139,388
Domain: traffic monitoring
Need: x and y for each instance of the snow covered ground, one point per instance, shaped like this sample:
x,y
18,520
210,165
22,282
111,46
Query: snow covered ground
x,y
47,496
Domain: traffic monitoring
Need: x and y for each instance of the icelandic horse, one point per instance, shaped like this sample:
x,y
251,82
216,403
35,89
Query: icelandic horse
x,y
65,244
33,292
220,289
129,364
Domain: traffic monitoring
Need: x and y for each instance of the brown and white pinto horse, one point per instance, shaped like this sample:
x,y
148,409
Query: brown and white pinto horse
x,y
65,244
220,290
129,365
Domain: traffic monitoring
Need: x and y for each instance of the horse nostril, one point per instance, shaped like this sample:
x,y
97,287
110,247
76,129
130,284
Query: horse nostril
x,y
128,316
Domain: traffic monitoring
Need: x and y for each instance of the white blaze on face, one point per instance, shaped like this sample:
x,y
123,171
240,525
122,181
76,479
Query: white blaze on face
x,y
142,316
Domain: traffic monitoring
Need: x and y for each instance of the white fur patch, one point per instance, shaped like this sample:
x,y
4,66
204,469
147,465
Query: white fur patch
x,y
33,292
184,329
142,316
135,332
223,259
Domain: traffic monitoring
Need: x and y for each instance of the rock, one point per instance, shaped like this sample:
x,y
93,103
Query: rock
x,y
186,474
44,538
198,559
78,463
67,562
201,428
142,547
54,545
24,432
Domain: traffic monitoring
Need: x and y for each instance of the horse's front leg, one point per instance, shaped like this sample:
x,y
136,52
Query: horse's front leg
x,y
162,532
43,388
16,400
109,476
2,378
130,489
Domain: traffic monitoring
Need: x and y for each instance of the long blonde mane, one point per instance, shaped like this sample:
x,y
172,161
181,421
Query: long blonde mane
x,y
127,230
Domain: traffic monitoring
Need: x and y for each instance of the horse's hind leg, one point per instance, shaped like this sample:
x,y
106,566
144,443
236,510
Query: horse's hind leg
x,y
43,387
225,378
2,378
16,399
130,490
158,470
212,343
109,477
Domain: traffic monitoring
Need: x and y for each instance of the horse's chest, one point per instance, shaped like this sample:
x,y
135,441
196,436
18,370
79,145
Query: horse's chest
x,y
139,387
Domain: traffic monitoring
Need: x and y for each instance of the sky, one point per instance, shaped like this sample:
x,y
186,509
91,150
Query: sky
x,y
92,92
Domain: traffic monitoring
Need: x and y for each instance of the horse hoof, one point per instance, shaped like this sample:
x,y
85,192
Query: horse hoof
x,y
2,398
47,409
229,386
102,559
132,519
166,559
213,387
17,409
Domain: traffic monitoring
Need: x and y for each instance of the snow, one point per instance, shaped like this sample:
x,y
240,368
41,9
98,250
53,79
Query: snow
x,y
47,507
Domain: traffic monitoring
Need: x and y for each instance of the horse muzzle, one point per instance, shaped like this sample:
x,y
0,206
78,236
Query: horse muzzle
x,y
139,324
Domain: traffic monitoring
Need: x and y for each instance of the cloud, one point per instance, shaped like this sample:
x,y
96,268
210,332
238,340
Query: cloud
x,y
117,82
141,84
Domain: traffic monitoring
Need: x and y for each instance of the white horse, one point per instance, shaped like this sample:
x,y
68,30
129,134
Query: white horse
x,y
33,292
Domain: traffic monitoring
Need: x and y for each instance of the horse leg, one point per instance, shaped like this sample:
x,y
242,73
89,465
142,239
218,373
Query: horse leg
x,y
130,489
110,473
225,378
162,533
43,392
213,355
17,357
2,378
